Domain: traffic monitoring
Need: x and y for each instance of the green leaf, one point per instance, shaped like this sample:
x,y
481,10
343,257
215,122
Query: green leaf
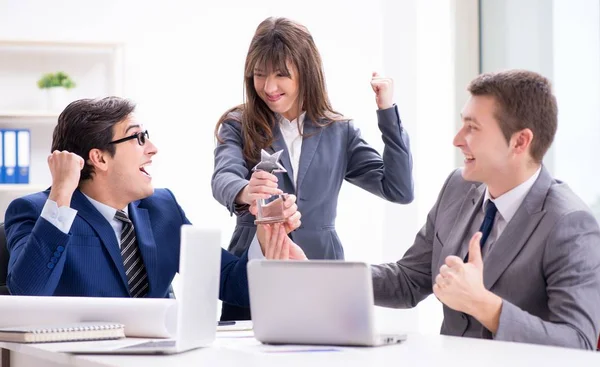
x,y
60,79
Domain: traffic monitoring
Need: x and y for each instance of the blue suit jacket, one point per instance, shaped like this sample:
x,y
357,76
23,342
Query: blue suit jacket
x,y
87,262
329,156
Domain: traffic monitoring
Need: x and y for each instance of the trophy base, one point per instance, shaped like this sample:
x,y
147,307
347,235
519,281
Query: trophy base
x,y
270,211
269,220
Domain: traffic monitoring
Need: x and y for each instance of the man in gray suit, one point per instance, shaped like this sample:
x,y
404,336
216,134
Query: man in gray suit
x,y
512,253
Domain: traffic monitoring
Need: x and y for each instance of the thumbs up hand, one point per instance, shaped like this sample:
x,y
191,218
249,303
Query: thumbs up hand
x,y
459,285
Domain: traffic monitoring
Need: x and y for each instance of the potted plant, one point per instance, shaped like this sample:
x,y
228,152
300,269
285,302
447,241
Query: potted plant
x,y
57,86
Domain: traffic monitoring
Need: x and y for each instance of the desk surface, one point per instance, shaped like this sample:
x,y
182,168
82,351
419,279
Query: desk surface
x,y
426,350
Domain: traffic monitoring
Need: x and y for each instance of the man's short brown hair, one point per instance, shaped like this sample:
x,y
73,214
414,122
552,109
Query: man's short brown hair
x,y
524,100
87,124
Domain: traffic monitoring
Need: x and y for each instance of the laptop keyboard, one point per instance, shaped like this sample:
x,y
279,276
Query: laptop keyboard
x,y
159,344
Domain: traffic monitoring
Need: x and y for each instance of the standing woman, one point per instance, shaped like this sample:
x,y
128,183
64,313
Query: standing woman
x,y
287,108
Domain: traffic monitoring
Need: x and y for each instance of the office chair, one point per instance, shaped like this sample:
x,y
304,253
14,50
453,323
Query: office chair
x,y
3,261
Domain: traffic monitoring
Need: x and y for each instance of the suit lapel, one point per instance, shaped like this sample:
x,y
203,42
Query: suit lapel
x,y
279,144
518,230
312,136
455,245
145,239
105,231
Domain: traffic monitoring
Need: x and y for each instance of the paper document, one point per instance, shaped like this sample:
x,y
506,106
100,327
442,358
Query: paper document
x,y
90,346
251,345
145,318
234,325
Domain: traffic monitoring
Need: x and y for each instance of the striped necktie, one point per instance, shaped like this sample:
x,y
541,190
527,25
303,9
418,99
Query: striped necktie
x,y
137,279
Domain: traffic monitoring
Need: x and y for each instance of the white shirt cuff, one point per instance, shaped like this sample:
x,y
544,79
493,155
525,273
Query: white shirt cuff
x,y
62,218
255,252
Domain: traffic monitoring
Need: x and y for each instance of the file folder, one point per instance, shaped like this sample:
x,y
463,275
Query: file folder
x,y
2,156
23,156
10,156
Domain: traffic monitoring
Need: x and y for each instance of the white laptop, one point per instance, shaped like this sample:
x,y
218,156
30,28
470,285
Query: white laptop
x,y
199,270
314,302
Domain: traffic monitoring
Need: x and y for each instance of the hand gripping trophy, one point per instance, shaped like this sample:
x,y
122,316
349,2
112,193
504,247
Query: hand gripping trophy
x,y
270,210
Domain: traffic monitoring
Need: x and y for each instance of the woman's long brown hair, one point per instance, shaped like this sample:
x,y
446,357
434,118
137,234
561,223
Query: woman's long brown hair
x,y
277,43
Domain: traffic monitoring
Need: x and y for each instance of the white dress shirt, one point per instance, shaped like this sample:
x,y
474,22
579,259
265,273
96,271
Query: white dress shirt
x,y
63,217
507,205
292,135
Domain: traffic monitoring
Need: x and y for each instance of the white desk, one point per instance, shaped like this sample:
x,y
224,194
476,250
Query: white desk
x,y
418,350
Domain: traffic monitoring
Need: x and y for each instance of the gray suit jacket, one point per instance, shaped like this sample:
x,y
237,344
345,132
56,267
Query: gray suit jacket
x,y
545,265
329,156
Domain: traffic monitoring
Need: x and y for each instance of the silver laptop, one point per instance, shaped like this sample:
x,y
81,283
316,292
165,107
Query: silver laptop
x,y
314,302
199,270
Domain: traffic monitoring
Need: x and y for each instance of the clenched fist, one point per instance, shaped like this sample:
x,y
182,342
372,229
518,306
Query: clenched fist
x,y
384,91
65,168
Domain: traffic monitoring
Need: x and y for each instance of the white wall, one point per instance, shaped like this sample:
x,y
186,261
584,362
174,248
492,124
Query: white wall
x,y
577,84
184,67
517,34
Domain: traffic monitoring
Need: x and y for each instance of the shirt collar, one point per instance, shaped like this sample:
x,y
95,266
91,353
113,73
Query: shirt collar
x,y
509,202
106,211
285,123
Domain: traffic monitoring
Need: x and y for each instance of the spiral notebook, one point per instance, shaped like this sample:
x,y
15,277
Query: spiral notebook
x,y
60,333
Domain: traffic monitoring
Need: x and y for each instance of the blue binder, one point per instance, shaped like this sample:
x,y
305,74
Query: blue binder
x,y
23,156
10,155
2,156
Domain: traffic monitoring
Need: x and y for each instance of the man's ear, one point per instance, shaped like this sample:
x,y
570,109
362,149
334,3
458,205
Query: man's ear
x,y
521,141
97,158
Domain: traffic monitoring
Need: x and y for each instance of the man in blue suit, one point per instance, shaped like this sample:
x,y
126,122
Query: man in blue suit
x,y
102,230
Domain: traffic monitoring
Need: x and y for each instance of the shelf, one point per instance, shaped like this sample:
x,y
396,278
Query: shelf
x,y
96,66
75,46
28,114
22,187
58,43
27,118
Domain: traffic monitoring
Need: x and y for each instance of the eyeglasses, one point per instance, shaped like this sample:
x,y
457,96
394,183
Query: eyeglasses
x,y
141,138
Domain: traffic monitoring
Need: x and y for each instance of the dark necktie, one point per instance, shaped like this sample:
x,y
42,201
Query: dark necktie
x,y
137,279
488,221
486,225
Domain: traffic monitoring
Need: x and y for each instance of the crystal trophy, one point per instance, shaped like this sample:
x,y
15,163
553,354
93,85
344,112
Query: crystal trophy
x,y
270,210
